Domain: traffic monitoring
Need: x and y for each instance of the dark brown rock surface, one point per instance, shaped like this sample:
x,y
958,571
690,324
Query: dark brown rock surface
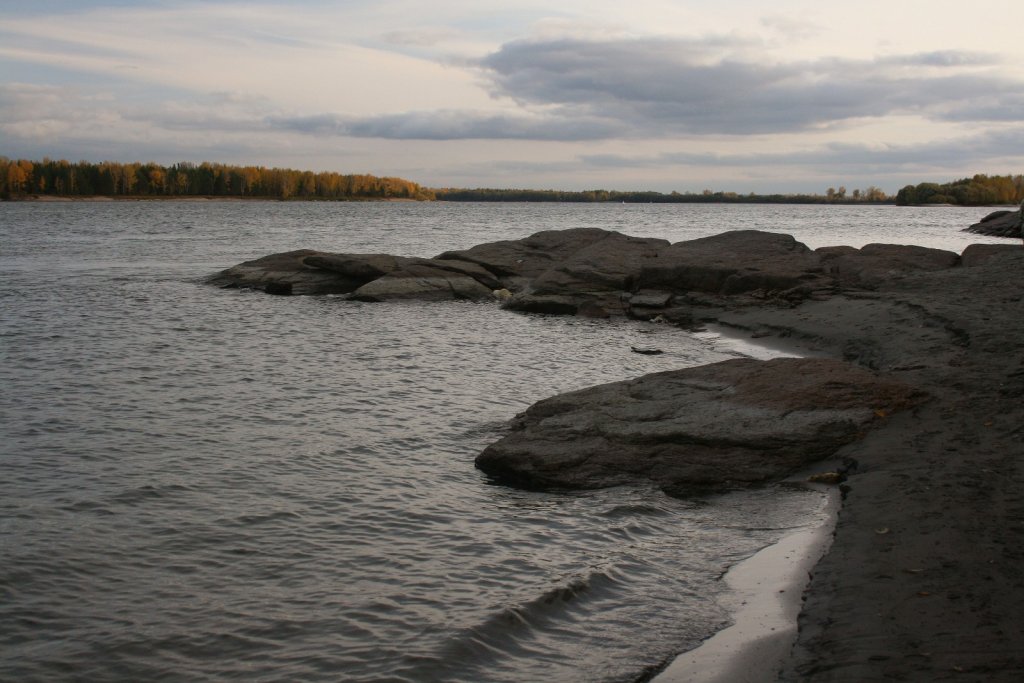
x,y
593,272
306,271
873,264
429,280
732,424
732,262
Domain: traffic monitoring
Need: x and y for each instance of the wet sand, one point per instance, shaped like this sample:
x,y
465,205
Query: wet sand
x,y
765,592
924,580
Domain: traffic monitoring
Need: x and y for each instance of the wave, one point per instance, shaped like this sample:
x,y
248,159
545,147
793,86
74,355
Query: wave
x,y
528,631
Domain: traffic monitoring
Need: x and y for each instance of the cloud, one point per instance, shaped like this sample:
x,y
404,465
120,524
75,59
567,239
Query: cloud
x,y
710,85
452,125
953,152
941,58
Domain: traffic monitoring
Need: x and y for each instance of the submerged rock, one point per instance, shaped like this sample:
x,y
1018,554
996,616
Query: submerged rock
x,y
733,424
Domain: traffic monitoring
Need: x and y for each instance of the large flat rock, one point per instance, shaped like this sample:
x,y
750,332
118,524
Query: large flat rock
x,y
733,262
594,272
733,424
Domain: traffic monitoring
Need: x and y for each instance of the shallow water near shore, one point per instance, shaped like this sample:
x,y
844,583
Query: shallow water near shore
x,y
199,484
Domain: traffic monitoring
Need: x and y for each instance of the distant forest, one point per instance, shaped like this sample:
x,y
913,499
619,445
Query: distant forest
x,y
872,195
981,190
21,178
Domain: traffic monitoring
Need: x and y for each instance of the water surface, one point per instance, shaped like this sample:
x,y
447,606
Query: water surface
x,y
205,484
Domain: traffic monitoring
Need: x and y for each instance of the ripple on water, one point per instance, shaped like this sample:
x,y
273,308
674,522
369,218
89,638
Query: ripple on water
x,y
205,484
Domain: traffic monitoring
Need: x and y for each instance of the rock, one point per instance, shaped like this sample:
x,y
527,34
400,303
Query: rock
x,y
360,268
650,299
647,351
424,281
281,288
732,263
307,272
592,309
648,304
978,254
830,478
601,271
551,304
733,424
873,264
1000,224
473,270
515,261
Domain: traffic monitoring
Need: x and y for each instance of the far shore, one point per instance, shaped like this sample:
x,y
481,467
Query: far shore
x,y
195,198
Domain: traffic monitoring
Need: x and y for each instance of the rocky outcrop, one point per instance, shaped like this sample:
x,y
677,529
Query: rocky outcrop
x,y
1004,223
597,273
516,262
306,271
732,424
735,262
430,280
978,254
592,279
869,266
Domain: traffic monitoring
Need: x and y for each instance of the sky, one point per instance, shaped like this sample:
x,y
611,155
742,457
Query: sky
x,y
685,95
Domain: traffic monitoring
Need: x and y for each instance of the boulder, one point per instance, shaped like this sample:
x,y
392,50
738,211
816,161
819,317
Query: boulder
x,y
600,274
736,262
425,281
873,264
733,424
1004,223
360,268
516,261
978,254
306,271
473,270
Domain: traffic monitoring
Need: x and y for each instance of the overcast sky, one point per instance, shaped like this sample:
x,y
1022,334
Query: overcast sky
x,y
741,95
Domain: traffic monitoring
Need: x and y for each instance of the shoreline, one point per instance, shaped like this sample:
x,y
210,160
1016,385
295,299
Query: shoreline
x,y
766,589
921,581
195,198
765,596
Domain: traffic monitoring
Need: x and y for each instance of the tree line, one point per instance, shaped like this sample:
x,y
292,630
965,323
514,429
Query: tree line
x,y
981,190
832,196
23,177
